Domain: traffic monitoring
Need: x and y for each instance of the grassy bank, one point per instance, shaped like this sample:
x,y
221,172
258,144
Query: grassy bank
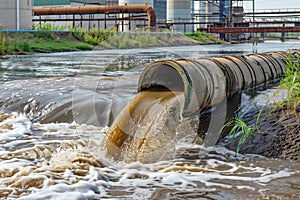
x,y
49,38
16,43
203,37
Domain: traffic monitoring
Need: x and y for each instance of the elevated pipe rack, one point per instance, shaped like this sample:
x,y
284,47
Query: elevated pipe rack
x,y
91,10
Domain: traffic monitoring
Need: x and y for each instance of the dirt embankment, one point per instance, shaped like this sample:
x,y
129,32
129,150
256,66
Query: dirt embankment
x,y
277,134
47,42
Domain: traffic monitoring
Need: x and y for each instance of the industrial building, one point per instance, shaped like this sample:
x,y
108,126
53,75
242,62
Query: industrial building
x,y
16,14
179,15
225,17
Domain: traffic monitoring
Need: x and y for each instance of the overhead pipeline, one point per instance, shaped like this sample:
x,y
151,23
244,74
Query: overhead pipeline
x,y
209,81
115,9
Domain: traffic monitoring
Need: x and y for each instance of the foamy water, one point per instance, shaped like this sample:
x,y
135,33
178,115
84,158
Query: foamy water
x,y
64,161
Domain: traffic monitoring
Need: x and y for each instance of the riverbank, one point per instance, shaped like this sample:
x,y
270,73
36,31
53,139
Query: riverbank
x,y
61,41
46,42
276,136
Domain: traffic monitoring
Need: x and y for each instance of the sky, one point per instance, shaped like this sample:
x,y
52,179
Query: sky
x,y
273,4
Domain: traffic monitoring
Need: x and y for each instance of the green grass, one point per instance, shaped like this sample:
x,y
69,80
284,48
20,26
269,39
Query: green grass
x,y
88,38
203,37
136,40
78,39
59,45
291,83
239,126
39,42
35,43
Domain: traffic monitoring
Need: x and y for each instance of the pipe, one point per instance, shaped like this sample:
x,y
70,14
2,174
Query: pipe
x,y
209,81
18,14
116,9
209,93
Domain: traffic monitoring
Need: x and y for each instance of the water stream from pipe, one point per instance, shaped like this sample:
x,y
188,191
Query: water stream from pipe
x,y
145,130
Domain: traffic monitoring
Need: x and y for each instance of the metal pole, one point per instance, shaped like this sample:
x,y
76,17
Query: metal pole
x,y
253,10
18,14
230,21
253,18
192,14
222,36
221,11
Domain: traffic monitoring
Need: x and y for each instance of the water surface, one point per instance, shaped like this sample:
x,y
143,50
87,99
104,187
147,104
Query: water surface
x,y
56,109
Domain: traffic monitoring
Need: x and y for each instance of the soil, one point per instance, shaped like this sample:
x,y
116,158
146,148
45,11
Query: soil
x,y
277,134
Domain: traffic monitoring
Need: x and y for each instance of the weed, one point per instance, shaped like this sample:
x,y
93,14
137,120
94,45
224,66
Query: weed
x,y
239,126
165,37
47,27
2,41
203,37
24,46
2,47
291,83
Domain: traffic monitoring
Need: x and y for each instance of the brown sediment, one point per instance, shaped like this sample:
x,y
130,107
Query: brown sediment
x,y
277,134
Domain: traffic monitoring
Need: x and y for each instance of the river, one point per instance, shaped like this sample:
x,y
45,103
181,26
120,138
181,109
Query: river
x,y
55,111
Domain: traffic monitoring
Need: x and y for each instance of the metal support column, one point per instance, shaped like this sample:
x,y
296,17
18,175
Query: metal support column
x,y
222,35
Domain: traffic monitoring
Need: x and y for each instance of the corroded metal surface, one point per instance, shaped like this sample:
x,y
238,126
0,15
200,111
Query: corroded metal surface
x,y
251,29
208,81
85,10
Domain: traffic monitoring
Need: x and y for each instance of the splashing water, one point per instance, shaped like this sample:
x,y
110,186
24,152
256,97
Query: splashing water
x,y
145,130
64,161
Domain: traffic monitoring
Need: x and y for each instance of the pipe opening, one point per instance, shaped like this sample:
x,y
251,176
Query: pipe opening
x,y
162,77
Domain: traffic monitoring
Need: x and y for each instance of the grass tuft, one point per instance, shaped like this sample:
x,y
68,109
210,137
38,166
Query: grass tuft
x,y
203,37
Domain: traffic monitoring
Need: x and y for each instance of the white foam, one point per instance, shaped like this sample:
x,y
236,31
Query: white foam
x,y
15,127
78,191
240,187
73,161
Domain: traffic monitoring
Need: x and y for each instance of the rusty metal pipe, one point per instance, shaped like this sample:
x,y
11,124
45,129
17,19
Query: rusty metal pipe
x,y
83,10
212,94
209,81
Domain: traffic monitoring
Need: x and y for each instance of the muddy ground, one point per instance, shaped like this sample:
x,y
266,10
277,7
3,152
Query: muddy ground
x,y
277,134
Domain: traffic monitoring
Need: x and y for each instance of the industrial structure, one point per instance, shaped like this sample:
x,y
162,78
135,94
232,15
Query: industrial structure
x,y
228,19
16,14
122,15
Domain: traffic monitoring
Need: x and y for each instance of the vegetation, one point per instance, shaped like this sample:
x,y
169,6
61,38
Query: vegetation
x,y
94,36
46,39
239,126
43,41
141,39
2,41
290,83
203,37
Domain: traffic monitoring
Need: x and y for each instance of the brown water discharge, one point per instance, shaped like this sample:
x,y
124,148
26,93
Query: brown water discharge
x,y
146,127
